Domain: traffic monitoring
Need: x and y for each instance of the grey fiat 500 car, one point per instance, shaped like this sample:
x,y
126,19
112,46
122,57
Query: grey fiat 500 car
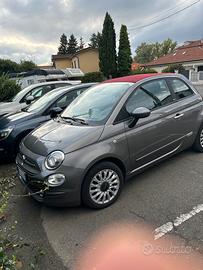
x,y
109,133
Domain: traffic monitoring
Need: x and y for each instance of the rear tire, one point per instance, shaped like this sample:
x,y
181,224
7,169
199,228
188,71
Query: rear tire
x,y
198,144
102,185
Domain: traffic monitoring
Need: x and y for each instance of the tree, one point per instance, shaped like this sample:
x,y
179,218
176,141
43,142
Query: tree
x,y
94,40
8,88
62,49
148,52
168,46
72,45
107,48
8,66
25,66
82,44
144,53
124,53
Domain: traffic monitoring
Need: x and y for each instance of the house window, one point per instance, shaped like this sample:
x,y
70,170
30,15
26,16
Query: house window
x,y
200,68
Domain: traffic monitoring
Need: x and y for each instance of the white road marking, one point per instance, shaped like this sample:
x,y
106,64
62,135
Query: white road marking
x,y
169,226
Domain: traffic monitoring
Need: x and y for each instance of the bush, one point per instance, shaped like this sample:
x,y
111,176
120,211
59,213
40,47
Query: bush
x,y
143,71
8,88
173,68
93,77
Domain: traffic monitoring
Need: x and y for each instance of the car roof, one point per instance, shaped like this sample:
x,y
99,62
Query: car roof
x,y
70,88
135,78
50,82
26,90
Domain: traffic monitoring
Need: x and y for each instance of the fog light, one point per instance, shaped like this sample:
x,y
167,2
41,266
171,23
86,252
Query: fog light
x,y
55,180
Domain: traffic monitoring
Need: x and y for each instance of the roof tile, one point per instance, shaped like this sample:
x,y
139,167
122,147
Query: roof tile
x,y
191,51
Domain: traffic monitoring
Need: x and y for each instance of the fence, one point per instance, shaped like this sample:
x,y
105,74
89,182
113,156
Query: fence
x,y
196,77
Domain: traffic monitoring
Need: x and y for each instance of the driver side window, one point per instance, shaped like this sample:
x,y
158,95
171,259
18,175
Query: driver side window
x,y
38,92
65,100
150,95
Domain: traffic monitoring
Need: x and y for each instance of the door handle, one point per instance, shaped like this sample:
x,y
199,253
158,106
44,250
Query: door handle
x,y
179,115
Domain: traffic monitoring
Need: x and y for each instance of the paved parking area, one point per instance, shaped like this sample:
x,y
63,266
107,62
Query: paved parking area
x,y
160,195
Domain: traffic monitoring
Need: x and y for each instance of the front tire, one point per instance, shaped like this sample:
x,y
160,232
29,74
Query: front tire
x,y
102,185
198,144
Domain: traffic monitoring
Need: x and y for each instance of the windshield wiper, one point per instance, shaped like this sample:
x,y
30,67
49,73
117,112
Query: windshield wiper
x,y
59,118
76,119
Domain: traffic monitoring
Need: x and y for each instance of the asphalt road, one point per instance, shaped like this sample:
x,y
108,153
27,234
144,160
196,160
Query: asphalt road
x,y
155,197
166,194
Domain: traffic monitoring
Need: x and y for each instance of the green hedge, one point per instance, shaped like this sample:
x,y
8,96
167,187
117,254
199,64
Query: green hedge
x,y
143,71
93,77
173,68
8,88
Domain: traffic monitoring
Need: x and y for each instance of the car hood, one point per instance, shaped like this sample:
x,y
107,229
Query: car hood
x,y
8,107
12,119
61,136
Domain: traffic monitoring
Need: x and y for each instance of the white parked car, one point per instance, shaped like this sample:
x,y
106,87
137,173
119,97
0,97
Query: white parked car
x,y
29,94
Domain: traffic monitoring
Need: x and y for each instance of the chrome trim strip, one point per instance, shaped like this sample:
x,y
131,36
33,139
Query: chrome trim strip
x,y
165,155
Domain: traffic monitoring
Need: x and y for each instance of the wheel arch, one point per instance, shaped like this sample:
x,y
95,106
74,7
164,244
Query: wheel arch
x,y
112,159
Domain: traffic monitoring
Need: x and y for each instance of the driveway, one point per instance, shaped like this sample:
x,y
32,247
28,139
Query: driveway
x,y
162,195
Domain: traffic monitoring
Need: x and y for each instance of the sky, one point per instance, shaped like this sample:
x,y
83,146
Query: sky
x,y
31,29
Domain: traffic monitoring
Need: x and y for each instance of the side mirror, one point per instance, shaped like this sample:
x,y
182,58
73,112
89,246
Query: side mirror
x,y
29,100
138,113
55,111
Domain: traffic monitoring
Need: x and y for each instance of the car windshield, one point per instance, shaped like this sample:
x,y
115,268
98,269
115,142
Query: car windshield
x,y
43,101
97,103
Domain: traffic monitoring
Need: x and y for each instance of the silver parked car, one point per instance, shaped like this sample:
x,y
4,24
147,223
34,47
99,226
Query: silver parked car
x,y
109,133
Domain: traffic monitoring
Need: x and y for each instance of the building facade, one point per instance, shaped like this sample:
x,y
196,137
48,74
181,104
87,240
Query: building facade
x,y
86,59
190,55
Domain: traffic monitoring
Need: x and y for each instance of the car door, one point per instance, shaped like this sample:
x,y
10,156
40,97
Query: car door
x,y
155,136
186,110
63,101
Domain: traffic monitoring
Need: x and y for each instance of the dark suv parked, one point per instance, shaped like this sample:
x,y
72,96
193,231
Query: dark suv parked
x,y
106,135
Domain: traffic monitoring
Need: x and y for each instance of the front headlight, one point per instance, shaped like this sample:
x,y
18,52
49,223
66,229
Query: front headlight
x,y
54,160
4,133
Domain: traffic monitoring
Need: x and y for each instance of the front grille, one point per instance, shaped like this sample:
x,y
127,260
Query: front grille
x,y
29,165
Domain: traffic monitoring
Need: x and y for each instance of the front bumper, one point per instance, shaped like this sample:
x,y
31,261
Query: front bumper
x,y
49,197
34,180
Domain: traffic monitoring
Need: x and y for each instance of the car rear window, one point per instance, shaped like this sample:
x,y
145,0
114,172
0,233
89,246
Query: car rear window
x,y
180,88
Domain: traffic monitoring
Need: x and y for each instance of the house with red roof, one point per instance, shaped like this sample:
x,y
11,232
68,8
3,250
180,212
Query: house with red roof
x,y
190,55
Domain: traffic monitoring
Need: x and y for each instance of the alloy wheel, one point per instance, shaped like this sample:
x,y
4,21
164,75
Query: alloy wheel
x,y
201,138
104,186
